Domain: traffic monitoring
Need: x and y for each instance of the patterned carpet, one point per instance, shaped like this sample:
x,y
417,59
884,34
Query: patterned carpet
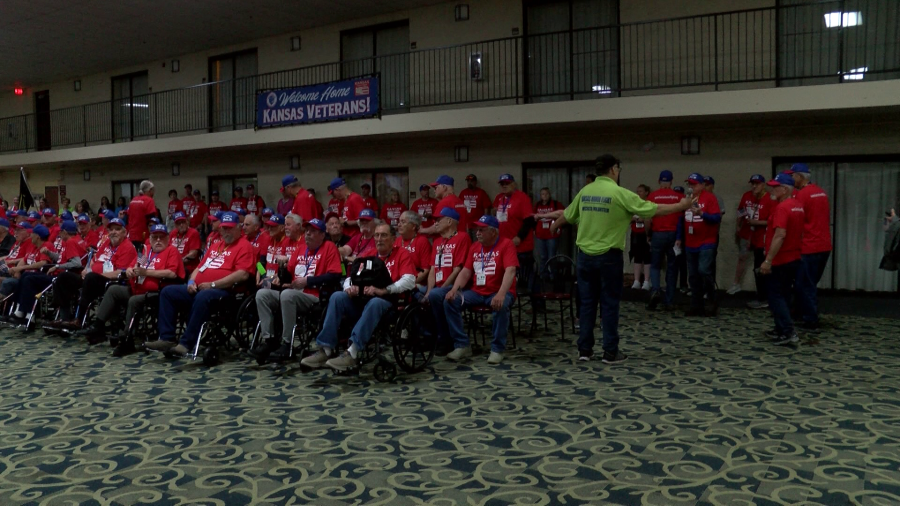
x,y
703,412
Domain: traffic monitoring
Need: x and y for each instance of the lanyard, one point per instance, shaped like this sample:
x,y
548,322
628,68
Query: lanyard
x,y
406,246
150,259
505,204
256,238
446,242
112,252
489,254
309,259
368,242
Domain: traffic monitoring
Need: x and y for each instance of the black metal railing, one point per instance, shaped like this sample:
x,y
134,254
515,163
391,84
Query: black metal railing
x,y
788,45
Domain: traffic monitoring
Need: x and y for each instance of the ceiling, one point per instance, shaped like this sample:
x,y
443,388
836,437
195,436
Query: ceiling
x,y
44,41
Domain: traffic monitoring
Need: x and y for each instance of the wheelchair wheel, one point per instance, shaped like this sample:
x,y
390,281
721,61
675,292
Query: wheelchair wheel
x,y
210,356
246,323
385,371
413,339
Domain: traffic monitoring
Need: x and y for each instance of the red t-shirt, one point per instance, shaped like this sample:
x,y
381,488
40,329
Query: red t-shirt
x,y
238,203
19,250
184,244
34,255
454,202
697,232
96,237
669,222
122,256
335,206
186,203
140,210
260,244
425,209
492,263
817,225
72,248
371,203
419,250
476,202
255,205
55,239
399,263
391,213
763,211
511,213
212,239
216,206
289,246
226,259
746,209
305,205
543,225
318,262
175,206
273,251
361,247
638,227
449,253
789,216
198,211
169,259
350,209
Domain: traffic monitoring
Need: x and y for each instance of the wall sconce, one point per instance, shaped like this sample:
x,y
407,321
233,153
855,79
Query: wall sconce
x,y
295,163
461,154
690,145
176,169
295,43
87,175
461,12
176,66
77,85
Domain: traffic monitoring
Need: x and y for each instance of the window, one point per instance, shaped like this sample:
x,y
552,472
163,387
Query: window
x,y
233,92
127,189
131,107
382,182
572,49
565,180
382,49
225,185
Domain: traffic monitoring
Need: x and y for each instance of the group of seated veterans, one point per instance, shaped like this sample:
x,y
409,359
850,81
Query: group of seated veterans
x,y
288,264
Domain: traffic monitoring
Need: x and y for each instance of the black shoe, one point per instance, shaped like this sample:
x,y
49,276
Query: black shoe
x,y
262,350
654,301
772,334
94,328
668,308
94,339
585,355
810,327
613,358
695,311
443,350
712,309
786,339
284,352
125,347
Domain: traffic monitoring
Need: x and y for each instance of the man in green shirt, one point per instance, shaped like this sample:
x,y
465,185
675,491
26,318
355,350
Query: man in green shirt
x,y
603,211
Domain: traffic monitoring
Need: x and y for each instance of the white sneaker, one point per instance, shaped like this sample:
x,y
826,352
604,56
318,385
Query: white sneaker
x,y
756,304
459,354
495,358
735,288
636,285
646,286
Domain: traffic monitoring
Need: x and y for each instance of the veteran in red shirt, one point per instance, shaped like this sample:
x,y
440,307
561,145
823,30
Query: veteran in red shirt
x,y
450,251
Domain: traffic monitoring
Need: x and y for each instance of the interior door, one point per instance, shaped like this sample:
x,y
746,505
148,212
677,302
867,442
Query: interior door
x,y
42,119
51,193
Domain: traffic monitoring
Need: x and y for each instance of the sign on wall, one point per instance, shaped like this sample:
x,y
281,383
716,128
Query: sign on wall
x,y
348,99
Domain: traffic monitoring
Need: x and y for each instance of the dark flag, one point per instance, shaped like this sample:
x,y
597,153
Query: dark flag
x,y
26,199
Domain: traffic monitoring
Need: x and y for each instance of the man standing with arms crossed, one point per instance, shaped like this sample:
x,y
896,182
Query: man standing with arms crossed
x,y
603,210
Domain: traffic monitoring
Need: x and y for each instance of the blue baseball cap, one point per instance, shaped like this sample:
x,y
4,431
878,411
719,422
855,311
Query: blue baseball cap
x,y
25,226
109,215
49,211
709,180
678,189
336,183
214,192
4,222
21,212
83,218
34,216
275,220
67,216
69,227
449,212
159,229
798,167
757,178
154,220
115,221
242,212
267,211
696,177
666,176
41,231
289,180
179,216
216,216
782,179
424,187
443,179
238,189
367,214
506,178
229,219
316,223
487,221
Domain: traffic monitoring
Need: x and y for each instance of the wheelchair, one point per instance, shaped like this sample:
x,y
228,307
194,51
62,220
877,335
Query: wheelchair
x,y
408,330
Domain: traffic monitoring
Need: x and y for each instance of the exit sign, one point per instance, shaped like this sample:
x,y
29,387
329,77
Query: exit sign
x,y
18,91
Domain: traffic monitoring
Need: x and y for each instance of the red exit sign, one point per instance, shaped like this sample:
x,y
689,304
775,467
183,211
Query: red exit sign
x,y
18,91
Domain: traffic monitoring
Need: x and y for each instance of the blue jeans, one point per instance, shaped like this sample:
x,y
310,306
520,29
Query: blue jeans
x,y
809,273
175,299
453,314
31,283
663,244
779,288
701,265
546,249
342,306
436,303
600,279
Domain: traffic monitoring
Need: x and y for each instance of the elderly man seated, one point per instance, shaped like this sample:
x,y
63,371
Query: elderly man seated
x,y
162,262
492,261
31,256
311,268
417,244
451,249
226,265
365,307
112,258
19,249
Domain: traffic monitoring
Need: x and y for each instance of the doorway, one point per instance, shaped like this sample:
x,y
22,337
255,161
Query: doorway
x,y
51,195
42,136
225,185
382,182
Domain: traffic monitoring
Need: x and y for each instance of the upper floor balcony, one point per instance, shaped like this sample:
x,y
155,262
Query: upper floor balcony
x,y
794,44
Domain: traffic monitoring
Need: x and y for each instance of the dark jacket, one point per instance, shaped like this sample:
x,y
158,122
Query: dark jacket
x,y
891,259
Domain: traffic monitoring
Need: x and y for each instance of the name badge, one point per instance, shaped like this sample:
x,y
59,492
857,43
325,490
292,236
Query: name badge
x,y
688,216
421,211
300,271
437,260
501,216
480,279
546,224
638,225
439,276
108,266
691,229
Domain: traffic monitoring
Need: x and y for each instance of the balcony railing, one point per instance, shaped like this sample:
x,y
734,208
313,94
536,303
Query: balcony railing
x,y
813,43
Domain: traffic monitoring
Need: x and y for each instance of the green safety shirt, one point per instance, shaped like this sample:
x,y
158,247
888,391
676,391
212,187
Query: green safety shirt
x,y
603,211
